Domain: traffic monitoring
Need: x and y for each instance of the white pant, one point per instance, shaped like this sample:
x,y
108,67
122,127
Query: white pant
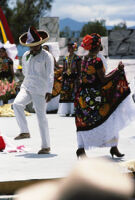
x,y
22,99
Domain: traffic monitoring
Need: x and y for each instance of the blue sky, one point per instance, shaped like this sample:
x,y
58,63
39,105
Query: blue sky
x,y
113,11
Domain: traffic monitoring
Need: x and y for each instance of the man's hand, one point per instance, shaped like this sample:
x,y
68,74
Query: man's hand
x,y
48,97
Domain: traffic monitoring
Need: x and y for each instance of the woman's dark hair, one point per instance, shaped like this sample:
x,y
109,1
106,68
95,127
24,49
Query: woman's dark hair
x,y
101,47
70,44
2,48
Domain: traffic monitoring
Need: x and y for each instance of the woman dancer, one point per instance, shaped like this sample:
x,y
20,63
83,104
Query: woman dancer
x,y
6,76
71,70
101,102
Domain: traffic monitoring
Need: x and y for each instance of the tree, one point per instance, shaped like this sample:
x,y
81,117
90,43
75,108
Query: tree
x,y
120,26
94,27
24,14
4,4
66,32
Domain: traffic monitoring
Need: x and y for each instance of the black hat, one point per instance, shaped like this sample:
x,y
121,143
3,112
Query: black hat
x,y
33,37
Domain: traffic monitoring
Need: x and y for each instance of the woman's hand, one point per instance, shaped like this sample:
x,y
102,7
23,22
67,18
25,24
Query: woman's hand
x,y
120,66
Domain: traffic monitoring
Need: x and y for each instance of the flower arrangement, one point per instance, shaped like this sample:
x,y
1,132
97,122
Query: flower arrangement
x,y
7,90
92,41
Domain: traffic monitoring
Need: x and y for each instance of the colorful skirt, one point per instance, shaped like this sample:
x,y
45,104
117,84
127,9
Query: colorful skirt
x,y
67,94
107,134
94,104
102,112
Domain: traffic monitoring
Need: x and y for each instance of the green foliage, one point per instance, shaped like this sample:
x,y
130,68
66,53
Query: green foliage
x,y
4,4
120,26
25,13
66,32
94,27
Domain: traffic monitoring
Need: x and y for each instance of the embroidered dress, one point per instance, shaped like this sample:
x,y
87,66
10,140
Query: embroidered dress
x,y
70,74
7,84
5,72
57,82
52,106
100,109
71,70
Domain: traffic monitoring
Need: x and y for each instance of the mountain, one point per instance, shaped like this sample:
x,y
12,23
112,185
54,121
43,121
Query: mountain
x,y
132,27
109,27
72,24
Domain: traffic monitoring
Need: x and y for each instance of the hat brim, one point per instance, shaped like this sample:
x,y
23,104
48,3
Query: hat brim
x,y
44,38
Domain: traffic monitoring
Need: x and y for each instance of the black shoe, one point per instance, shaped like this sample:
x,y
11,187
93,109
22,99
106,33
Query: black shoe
x,y
80,153
115,151
72,115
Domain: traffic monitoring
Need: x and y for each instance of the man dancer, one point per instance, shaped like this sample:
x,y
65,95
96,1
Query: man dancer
x,y
38,70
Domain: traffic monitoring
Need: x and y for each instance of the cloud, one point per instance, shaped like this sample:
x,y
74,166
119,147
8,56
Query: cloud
x,y
112,11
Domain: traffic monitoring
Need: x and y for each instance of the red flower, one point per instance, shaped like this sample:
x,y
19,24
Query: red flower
x,y
87,42
98,59
91,41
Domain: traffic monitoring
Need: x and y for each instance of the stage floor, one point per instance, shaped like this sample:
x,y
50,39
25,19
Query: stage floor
x,y
26,166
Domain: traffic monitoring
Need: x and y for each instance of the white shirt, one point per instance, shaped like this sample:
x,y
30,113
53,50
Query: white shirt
x,y
38,72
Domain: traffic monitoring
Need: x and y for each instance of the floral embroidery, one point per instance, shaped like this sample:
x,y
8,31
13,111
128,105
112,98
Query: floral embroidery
x,y
82,103
104,110
94,103
108,85
80,122
91,69
122,86
57,82
84,79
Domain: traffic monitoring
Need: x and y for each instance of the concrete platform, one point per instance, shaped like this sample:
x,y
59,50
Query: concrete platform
x,y
21,169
